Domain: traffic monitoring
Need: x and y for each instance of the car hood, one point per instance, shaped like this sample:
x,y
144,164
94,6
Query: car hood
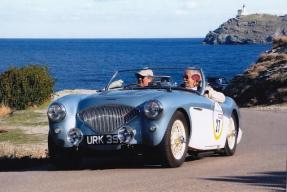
x,y
124,97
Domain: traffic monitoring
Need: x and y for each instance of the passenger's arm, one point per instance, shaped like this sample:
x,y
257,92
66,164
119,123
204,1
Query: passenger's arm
x,y
214,95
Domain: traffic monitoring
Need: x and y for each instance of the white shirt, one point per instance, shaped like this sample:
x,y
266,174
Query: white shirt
x,y
214,95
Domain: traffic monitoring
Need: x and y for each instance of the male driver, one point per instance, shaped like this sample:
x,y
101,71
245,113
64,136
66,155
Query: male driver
x,y
192,80
144,77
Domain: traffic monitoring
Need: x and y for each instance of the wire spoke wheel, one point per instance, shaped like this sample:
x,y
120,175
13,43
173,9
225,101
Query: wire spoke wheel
x,y
178,139
173,148
231,138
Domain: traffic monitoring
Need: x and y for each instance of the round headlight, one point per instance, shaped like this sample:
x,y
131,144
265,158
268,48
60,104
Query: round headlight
x,y
56,112
152,109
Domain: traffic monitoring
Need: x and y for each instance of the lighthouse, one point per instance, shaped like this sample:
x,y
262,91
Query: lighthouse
x,y
241,11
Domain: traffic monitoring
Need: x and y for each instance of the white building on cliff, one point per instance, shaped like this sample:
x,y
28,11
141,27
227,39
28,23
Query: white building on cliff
x,y
241,11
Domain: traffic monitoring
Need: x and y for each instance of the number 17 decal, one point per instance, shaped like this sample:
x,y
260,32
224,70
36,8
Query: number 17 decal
x,y
217,121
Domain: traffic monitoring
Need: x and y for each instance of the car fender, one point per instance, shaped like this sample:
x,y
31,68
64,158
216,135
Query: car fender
x,y
70,102
229,107
154,138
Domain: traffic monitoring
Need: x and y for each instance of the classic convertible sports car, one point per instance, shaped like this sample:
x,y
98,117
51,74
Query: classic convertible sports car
x,y
164,119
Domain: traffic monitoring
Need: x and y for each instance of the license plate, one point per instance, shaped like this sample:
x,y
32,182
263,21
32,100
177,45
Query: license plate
x,y
102,139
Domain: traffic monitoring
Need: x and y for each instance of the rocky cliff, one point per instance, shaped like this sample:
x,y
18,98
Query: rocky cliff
x,y
265,82
248,29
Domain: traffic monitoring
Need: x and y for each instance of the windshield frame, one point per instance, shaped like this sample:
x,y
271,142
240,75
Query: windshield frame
x,y
170,87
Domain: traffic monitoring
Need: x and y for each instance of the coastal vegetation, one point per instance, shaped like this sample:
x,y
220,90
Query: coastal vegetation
x,y
24,87
280,41
265,82
24,96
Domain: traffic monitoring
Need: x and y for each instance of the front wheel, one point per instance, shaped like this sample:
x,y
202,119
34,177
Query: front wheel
x,y
173,147
231,139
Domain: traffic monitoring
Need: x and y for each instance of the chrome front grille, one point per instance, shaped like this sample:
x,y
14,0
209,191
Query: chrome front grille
x,y
107,118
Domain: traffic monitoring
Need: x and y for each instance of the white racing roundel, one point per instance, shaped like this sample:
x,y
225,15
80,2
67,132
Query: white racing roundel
x,y
217,121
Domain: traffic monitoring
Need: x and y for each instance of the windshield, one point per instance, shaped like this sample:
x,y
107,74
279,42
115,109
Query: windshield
x,y
159,78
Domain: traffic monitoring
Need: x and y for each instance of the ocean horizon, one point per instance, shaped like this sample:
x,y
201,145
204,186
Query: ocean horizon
x,y
84,63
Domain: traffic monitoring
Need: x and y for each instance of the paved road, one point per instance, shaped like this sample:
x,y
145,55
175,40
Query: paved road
x,y
258,165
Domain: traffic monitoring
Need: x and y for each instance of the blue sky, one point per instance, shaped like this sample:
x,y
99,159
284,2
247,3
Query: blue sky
x,y
122,18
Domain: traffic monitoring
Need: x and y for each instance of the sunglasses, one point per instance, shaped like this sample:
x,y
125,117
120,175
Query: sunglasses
x,y
139,78
194,77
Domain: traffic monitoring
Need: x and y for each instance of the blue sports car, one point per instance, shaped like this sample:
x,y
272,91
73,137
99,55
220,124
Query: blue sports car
x,y
162,118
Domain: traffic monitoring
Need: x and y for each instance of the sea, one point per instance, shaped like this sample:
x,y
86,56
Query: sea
x,y
90,63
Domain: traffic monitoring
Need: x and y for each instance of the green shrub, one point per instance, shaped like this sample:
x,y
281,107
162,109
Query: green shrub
x,y
26,86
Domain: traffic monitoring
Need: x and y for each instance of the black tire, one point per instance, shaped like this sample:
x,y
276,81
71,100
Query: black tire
x,y
168,159
62,159
230,150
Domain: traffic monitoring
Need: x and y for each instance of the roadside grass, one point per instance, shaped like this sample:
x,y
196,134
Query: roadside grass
x,y
23,133
30,117
26,118
15,151
18,136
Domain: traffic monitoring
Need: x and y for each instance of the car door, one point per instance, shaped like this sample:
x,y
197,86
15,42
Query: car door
x,y
202,121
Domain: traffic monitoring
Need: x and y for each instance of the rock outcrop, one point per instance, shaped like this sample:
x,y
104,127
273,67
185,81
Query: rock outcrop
x,y
248,29
265,82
